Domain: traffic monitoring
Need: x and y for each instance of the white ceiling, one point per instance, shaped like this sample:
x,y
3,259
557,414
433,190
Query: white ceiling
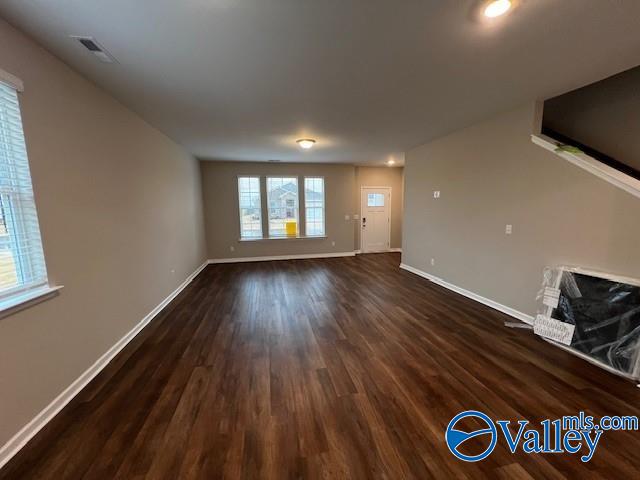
x,y
369,79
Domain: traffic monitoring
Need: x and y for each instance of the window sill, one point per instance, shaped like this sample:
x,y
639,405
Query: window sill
x,y
27,299
297,237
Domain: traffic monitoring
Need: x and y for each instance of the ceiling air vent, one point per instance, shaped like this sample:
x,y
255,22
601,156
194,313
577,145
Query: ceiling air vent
x,y
95,48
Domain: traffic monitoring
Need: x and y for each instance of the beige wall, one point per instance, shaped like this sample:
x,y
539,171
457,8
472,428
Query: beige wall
x,y
220,194
604,116
119,207
382,177
491,175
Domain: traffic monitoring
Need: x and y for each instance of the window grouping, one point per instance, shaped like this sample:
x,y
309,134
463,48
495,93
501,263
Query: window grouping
x,y
282,207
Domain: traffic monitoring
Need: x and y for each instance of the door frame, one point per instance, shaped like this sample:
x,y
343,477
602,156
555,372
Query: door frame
x,y
362,188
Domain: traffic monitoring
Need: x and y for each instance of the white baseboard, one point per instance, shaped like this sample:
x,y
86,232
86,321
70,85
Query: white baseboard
x,y
281,257
473,296
360,252
27,432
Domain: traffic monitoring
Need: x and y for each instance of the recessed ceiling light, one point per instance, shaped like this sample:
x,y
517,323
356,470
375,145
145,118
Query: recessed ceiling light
x,y
497,8
306,143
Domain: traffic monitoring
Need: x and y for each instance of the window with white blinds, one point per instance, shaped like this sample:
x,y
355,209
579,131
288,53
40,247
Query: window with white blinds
x,y
22,266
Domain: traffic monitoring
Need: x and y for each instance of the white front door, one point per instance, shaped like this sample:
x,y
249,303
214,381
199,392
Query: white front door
x,y
375,221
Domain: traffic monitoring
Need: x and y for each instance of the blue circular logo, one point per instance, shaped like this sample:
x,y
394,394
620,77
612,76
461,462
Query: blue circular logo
x,y
455,438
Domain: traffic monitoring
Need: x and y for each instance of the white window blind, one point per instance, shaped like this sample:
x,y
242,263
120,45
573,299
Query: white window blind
x,y
22,265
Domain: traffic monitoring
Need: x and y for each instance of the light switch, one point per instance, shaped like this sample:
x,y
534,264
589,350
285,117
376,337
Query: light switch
x,y
347,217
356,216
436,194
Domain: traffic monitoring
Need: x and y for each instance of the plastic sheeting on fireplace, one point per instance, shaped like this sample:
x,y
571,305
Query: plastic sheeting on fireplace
x,y
596,315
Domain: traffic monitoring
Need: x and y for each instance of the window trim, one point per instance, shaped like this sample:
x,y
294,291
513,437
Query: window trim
x,y
299,233
264,210
27,298
324,206
22,297
259,177
11,80
268,239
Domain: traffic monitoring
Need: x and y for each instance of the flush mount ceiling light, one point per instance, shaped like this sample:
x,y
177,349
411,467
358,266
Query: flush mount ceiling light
x,y
306,143
391,162
497,8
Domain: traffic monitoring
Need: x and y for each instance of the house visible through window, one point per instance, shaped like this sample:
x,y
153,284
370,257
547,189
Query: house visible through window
x,y
250,207
282,206
314,206
291,204
22,266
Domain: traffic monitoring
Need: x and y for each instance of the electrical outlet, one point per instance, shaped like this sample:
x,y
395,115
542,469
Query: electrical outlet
x,y
433,262
436,194
232,248
333,244
508,229
173,271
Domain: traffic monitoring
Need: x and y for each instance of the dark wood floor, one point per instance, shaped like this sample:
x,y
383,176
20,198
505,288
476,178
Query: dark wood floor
x,y
333,368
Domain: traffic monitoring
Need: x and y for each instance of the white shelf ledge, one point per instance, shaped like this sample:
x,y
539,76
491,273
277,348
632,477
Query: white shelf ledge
x,y
284,237
591,165
27,299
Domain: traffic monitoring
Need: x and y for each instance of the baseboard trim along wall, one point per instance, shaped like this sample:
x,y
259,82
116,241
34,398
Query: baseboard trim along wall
x,y
473,296
20,439
281,257
360,252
